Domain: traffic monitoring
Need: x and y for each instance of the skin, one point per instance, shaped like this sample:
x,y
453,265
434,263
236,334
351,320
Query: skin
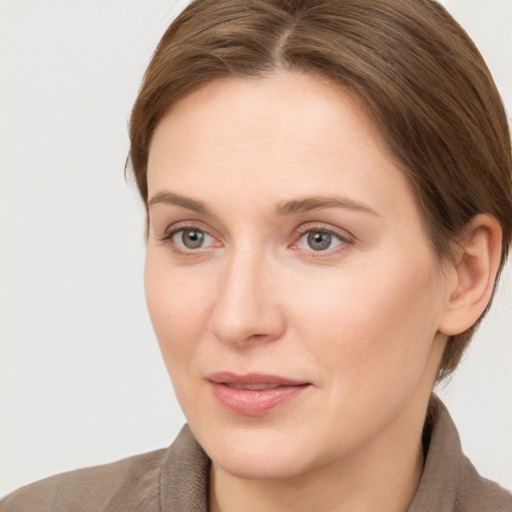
x,y
361,321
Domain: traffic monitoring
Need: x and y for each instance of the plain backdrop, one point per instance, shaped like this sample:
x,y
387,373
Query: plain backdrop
x,y
81,380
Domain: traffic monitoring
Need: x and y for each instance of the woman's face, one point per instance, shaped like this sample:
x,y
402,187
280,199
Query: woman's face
x,y
289,279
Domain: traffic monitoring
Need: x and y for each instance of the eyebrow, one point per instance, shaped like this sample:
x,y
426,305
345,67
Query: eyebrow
x,y
319,202
283,208
178,200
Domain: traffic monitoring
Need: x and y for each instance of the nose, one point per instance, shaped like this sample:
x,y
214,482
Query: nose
x,y
247,307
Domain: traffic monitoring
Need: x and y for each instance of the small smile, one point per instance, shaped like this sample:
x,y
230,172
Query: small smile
x,y
254,394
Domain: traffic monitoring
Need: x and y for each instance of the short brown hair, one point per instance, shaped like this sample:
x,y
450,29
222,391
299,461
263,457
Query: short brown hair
x,y
416,72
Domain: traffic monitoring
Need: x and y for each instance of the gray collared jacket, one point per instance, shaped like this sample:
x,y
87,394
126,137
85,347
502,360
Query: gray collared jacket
x,y
176,480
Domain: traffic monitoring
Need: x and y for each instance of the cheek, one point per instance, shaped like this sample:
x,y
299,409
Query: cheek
x,y
372,327
178,317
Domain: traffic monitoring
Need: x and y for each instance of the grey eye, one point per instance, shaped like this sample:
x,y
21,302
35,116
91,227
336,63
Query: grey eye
x,y
192,238
319,240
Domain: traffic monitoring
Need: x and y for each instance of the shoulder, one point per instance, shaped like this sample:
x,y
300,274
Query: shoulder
x,y
175,478
449,481
475,493
127,485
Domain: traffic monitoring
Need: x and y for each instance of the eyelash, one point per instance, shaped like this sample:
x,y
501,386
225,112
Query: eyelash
x,y
344,238
172,231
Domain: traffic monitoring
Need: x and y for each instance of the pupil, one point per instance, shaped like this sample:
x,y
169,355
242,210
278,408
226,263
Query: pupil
x,y
319,241
192,239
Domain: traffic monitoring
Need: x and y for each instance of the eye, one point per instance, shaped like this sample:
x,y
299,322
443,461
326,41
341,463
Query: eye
x,y
320,240
190,239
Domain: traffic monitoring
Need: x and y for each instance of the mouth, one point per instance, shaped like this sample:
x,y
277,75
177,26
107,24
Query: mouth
x,y
250,387
254,394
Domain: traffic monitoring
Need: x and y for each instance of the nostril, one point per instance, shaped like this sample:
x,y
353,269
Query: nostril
x,y
246,307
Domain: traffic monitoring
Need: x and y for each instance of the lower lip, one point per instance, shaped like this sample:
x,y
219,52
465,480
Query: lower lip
x,y
255,402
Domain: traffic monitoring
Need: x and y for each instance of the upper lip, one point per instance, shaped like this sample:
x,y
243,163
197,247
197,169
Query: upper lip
x,y
253,379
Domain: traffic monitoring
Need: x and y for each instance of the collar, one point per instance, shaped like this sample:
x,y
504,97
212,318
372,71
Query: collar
x,y
449,482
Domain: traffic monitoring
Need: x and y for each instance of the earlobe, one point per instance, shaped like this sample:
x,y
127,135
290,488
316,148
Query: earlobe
x,y
476,268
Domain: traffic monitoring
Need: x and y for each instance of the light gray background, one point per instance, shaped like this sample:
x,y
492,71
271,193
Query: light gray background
x,y
81,381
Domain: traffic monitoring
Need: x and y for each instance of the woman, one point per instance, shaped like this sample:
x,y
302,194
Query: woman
x,y
328,191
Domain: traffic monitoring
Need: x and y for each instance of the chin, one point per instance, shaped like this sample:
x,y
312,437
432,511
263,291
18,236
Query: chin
x,y
261,466
260,454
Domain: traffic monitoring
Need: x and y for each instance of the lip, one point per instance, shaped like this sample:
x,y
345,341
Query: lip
x,y
254,394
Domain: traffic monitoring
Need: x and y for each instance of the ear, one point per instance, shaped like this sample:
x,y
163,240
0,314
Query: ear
x,y
475,273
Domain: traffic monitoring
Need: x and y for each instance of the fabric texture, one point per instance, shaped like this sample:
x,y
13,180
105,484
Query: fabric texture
x,y
176,480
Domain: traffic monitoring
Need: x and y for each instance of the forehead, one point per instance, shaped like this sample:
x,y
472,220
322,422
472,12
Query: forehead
x,y
269,107
290,132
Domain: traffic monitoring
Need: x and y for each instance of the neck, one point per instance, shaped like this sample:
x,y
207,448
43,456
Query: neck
x,y
382,475
379,477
